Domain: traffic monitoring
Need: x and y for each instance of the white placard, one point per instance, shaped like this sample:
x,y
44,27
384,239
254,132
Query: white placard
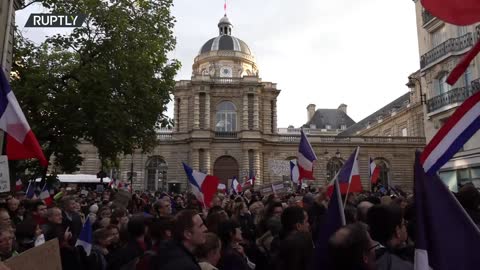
x,y
4,175
279,167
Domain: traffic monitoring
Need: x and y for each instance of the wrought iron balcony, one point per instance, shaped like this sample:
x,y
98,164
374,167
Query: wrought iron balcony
x,y
226,134
427,17
453,96
450,46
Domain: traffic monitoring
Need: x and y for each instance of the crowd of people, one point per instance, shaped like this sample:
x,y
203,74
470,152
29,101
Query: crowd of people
x,y
237,232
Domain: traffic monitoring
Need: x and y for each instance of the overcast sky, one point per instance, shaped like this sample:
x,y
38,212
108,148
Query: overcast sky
x,y
323,52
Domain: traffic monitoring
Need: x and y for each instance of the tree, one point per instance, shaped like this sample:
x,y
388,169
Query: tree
x,y
111,77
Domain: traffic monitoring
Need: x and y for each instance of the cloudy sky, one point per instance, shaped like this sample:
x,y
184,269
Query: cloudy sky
x,y
323,52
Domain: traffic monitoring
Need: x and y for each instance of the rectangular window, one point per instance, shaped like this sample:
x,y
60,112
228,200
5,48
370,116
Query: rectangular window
x,y
404,132
438,37
250,111
343,127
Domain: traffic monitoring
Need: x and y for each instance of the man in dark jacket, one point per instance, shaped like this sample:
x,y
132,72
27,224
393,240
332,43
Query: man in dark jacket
x,y
71,219
188,234
295,246
389,229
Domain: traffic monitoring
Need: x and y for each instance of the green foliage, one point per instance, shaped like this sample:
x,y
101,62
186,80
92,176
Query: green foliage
x,y
107,82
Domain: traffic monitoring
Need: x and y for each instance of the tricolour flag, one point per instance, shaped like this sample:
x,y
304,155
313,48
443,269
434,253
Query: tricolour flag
x,y
349,175
294,172
457,12
335,218
21,142
45,196
236,187
30,192
305,158
18,185
458,129
204,186
446,237
374,172
85,238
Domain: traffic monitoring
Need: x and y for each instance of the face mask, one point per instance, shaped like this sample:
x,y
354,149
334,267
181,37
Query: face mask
x,y
39,240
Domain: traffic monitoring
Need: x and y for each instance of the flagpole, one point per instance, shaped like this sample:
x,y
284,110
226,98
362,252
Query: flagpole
x,y
350,180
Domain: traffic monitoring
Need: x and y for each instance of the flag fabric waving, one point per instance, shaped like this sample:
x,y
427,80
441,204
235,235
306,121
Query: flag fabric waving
x,y
45,196
18,185
334,219
458,129
294,172
30,192
349,175
446,237
21,142
374,172
457,12
85,238
305,158
204,186
236,187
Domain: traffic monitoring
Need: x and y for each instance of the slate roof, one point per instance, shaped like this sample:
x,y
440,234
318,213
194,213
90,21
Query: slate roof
x,y
333,117
397,104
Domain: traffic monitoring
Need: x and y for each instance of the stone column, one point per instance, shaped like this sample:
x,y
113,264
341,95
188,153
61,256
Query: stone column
x,y
207,111
183,115
274,115
195,159
245,163
256,112
175,114
245,112
196,111
208,165
257,167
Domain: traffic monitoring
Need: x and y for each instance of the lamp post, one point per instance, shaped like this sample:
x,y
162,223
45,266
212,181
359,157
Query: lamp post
x,y
411,84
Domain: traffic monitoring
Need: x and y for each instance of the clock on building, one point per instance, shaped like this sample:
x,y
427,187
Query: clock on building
x,y
226,72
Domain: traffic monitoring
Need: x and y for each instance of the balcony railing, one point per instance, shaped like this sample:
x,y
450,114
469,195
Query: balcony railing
x,y
293,138
427,17
453,96
450,46
226,134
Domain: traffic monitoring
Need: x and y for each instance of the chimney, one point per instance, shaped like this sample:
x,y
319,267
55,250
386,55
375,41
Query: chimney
x,y
310,111
343,108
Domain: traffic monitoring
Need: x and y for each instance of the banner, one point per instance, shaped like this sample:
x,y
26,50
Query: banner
x,y
4,175
43,257
279,167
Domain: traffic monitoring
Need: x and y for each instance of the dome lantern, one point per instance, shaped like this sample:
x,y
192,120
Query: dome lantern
x,y
225,26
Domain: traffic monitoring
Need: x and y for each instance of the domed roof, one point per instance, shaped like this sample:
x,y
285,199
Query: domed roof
x,y
225,41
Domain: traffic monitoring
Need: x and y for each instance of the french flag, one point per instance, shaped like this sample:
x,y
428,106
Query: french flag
x,y
349,175
457,12
374,172
236,187
30,192
305,158
204,186
458,129
18,185
446,237
21,142
294,172
45,196
85,238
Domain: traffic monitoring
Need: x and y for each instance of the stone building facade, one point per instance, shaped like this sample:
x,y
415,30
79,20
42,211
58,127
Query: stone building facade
x,y
441,47
225,123
7,25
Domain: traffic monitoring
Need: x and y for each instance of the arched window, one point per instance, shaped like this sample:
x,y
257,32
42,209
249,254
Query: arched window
x,y
383,178
156,173
333,166
226,119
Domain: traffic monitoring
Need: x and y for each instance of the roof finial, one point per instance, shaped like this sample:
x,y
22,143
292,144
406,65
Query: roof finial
x,y
225,7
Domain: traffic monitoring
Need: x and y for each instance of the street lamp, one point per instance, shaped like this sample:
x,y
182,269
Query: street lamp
x,y
411,84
